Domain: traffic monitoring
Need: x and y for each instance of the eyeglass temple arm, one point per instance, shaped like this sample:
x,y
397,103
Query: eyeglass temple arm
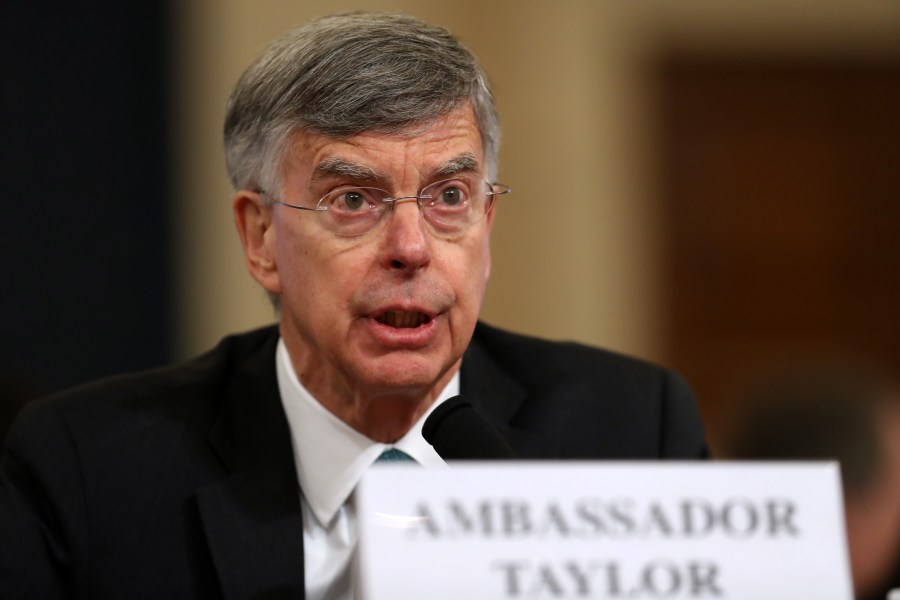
x,y
274,200
505,190
316,208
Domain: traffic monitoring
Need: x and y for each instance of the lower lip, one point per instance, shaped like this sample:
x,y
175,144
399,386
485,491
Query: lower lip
x,y
408,338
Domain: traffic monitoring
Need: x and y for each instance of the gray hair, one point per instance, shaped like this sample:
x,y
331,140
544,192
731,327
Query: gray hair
x,y
346,74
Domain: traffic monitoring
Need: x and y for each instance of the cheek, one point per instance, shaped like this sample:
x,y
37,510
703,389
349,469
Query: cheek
x,y
481,262
292,257
321,273
299,267
474,264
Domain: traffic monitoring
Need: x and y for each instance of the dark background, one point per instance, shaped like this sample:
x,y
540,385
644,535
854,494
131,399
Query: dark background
x,y
86,194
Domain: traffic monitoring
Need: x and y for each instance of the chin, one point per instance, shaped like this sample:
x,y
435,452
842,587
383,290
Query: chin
x,y
404,376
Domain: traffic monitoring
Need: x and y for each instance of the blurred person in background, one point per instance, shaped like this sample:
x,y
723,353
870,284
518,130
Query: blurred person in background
x,y
847,414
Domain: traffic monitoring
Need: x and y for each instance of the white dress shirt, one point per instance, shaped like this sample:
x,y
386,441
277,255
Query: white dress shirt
x,y
331,457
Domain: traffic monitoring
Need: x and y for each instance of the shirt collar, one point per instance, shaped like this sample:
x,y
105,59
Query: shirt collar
x,y
331,457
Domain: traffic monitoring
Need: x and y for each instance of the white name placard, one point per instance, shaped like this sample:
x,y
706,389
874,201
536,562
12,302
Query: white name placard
x,y
741,531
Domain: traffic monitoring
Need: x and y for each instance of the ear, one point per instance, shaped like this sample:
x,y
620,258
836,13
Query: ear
x,y
490,216
487,233
253,219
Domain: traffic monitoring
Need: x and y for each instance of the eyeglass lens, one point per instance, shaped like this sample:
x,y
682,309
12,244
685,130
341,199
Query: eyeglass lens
x,y
449,206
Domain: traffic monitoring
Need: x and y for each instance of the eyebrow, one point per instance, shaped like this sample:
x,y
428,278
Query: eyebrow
x,y
464,163
336,166
340,167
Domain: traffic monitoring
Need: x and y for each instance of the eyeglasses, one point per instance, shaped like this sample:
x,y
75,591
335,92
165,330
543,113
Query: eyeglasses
x,y
449,206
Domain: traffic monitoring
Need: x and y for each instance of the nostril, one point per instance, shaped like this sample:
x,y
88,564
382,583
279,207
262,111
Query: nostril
x,y
397,264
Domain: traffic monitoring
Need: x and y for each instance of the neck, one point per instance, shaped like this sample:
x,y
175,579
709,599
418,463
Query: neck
x,y
384,416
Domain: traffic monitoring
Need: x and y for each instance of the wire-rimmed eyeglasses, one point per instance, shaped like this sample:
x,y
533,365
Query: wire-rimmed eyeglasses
x,y
449,206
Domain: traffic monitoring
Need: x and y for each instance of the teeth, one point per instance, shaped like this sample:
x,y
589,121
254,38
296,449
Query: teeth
x,y
402,319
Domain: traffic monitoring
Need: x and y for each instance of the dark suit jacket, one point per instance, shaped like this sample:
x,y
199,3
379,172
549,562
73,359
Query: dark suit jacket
x,y
180,482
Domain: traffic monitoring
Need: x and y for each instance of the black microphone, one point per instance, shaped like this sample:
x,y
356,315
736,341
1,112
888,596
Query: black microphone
x,y
458,431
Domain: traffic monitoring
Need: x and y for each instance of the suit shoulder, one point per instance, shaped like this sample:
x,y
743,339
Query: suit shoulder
x,y
594,402
182,393
565,359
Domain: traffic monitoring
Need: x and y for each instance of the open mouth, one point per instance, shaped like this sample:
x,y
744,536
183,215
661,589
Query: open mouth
x,y
401,319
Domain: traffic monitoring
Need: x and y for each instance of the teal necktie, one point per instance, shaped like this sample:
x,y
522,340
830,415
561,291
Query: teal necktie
x,y
394,455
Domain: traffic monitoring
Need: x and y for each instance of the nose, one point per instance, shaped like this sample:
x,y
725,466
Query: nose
x,y
406,243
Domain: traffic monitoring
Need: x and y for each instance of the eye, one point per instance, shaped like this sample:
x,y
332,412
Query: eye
x,y
352,200
451,196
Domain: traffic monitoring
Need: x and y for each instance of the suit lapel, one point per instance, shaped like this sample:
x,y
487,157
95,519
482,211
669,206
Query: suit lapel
x,y
255,535
499,396
252,516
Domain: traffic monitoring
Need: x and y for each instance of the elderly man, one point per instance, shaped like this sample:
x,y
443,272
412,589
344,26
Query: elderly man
x,y
363,149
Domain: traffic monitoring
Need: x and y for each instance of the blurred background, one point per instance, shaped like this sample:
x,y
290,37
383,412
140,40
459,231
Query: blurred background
x,y
713,186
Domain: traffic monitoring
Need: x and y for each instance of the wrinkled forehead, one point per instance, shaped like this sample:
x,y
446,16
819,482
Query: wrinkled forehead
x,y
449,145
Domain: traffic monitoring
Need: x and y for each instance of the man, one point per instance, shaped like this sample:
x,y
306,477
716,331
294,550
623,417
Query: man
x,y
363,149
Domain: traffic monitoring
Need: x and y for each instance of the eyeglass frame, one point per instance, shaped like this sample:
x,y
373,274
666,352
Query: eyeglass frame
x,y
491,194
